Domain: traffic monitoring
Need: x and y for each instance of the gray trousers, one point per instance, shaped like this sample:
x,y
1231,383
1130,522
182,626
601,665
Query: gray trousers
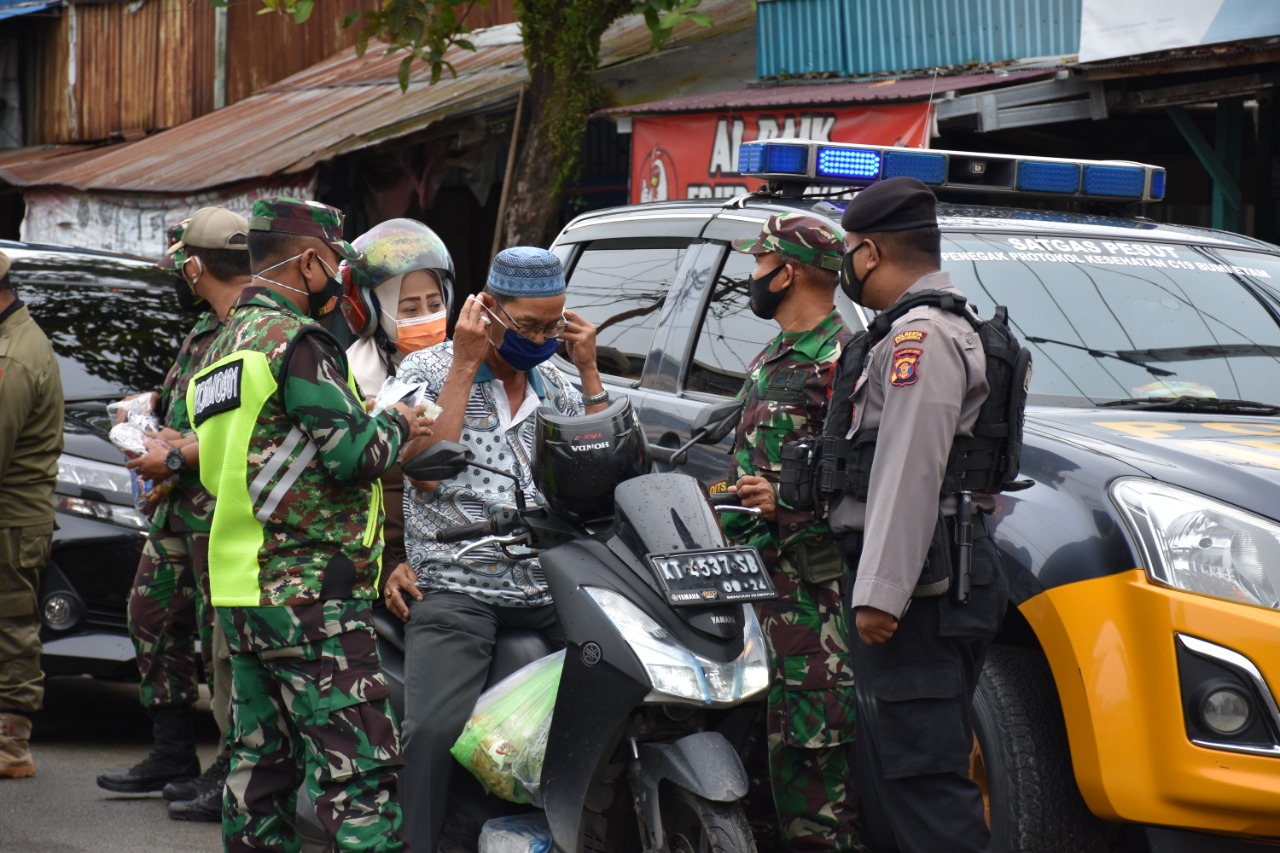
x,y
448,644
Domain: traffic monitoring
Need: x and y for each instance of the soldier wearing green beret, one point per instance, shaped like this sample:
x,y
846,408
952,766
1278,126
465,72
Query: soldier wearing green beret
x,y
295,550
810,707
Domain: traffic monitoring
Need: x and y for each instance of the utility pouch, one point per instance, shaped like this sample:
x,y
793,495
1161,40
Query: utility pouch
x,y
935,577
818,561
830,469
797,478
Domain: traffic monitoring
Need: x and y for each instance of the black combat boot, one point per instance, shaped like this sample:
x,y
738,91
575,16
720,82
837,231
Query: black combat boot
x,y
188,789
173,757
205,805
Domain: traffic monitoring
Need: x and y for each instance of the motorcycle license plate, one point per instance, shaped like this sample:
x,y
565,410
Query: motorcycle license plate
x,y
712,577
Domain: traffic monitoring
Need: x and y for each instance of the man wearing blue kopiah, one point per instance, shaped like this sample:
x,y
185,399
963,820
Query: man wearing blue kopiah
x,y
488,381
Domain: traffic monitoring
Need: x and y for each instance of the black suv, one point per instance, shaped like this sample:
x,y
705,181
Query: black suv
x,y
115,327
1130,693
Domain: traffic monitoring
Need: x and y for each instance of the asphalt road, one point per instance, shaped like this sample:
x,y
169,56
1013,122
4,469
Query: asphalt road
x,y
87,727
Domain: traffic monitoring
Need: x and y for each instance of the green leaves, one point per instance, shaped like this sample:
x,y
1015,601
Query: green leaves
x,y
663,16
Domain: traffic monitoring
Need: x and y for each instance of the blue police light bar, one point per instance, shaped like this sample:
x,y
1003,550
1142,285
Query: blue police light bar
x,y
783,162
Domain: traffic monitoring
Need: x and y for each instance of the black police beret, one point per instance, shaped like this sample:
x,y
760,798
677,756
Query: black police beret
x,y
896,204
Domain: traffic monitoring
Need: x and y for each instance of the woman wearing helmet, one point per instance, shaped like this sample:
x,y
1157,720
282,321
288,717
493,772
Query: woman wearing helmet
x,y
396,301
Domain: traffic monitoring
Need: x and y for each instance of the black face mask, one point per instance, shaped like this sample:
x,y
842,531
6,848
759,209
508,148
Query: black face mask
x,y
764,302
850,284
325,301
187,299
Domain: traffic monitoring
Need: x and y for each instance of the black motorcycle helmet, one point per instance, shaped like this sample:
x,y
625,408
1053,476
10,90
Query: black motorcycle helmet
x,y
578,461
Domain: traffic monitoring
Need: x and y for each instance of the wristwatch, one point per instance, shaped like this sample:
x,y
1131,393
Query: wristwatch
x,y
602,397
175,461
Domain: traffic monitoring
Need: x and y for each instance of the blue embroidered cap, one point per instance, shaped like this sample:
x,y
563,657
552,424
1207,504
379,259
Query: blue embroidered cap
x,y
526,272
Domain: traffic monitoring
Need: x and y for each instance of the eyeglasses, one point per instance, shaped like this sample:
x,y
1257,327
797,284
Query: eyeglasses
x,y
530,332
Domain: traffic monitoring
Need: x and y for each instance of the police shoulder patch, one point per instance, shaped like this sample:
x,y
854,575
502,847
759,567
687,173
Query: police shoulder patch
x,y
217,391
915,336
906,366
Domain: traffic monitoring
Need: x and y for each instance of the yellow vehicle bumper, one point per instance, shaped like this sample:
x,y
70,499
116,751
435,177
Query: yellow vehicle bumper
x,y
1111,645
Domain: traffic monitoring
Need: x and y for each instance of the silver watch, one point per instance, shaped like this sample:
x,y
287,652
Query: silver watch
x,y
602,397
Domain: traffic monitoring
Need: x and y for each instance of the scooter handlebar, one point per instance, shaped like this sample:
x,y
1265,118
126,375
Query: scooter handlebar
x,y
724,499
462,532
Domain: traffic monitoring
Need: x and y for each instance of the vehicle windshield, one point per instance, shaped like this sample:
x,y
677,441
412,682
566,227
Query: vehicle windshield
x,y
1112,321
114,326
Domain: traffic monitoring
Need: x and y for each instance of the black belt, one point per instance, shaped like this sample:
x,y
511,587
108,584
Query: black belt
x,y
850,541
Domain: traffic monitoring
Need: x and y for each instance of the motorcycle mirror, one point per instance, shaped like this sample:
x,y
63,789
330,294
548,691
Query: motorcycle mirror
x,y
440,461
715,422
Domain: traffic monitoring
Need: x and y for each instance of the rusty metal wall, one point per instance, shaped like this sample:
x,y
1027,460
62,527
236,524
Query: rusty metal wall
x,y
109,69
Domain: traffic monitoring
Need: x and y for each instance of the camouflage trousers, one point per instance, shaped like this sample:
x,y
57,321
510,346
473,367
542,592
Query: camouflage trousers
x,y
810,714
24,551
309,705
168,612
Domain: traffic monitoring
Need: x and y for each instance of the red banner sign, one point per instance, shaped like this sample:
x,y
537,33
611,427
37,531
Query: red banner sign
x,y
696,156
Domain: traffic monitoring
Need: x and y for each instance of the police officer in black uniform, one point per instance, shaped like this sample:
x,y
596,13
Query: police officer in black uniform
x,y
897,408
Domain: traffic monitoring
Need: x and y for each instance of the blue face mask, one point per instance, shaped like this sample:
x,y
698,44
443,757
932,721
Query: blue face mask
x,y
521,353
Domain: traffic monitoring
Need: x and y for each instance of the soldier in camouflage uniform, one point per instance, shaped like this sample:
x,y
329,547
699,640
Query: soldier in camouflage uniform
x,y
296,546
169,605
811,701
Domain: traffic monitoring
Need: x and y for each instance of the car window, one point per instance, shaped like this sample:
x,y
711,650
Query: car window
x,y
731,336
621,286
1108,320
115,327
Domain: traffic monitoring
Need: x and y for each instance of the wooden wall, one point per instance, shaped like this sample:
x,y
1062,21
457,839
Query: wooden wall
x,y
107,69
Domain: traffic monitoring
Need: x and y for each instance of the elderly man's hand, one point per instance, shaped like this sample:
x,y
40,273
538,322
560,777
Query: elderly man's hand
x,y
402,580
579,338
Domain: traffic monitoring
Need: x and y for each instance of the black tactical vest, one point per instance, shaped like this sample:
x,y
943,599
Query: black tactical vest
x,y
986,462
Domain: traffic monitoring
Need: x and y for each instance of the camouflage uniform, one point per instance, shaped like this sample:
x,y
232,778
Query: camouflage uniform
x,y
309,700
810,705
169,604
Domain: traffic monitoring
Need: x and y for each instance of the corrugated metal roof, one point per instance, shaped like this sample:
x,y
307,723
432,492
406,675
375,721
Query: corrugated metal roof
x,y
21,165
883,36
831,94
341,105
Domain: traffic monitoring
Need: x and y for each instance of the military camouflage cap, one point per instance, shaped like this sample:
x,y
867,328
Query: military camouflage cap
x,y
174,255
304,218
209,228
805,238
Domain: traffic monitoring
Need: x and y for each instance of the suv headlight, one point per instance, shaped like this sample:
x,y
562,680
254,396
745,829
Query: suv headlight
x,y
1197,544
84,485
676,672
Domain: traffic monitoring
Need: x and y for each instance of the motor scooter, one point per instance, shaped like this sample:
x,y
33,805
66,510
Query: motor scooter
x,y
662,640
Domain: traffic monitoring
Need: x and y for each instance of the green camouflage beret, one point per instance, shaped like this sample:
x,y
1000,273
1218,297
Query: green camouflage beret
x,y
304,218
806,238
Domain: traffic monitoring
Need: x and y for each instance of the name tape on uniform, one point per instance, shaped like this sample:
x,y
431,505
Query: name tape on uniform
x,y
217,391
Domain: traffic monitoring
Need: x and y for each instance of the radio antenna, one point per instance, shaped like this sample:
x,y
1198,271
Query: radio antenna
x,y
932,88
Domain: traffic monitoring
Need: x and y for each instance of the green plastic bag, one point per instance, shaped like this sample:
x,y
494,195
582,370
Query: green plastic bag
x,y
509,726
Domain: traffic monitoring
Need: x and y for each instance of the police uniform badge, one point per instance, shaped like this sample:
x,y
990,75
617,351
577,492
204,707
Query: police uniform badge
x,y
906,366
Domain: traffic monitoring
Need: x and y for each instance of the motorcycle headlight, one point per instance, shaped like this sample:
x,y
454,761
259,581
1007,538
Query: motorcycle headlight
x,y
84,486
1197,544
677,673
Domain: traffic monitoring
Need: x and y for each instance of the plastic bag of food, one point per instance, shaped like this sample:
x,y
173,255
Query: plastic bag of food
x,y
133,420
135,410
521,833
504,726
